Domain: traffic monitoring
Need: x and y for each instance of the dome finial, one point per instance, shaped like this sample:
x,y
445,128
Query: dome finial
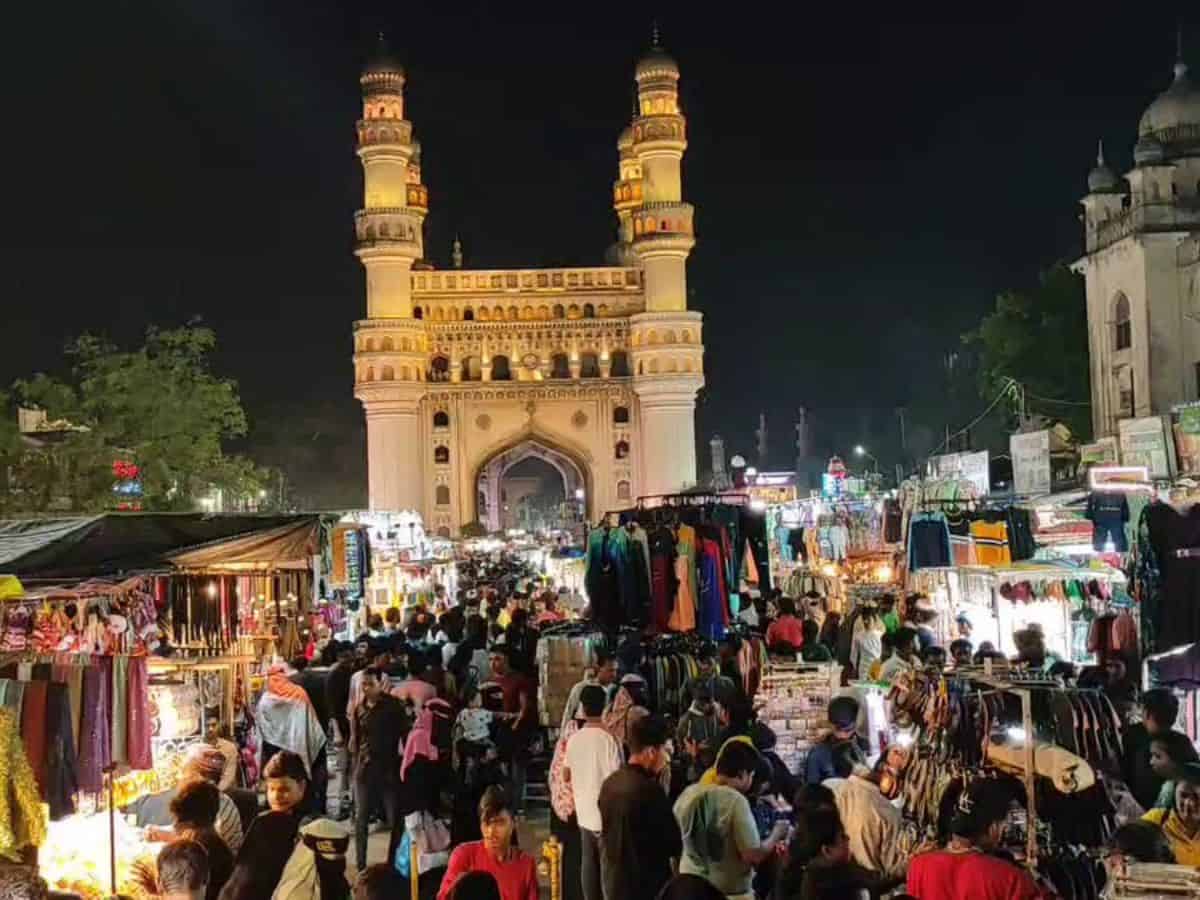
x,y
456,254
654,39
1100,152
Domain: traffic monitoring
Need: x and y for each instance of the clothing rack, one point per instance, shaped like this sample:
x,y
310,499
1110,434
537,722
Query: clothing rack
x,y
650,501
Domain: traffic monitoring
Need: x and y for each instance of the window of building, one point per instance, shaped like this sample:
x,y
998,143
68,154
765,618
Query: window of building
x,y
589,311
418,313
468,315
501,369
589,366
441,454
442,495
623,490
559,311
621,415
560,366
441,419
620,364
1122,324
439,369
1126,401
622,449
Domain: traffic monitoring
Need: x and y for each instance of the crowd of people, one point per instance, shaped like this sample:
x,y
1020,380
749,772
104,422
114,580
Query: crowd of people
x,y
434,713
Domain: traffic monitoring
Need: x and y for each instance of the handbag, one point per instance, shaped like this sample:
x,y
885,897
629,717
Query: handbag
x,y
433,845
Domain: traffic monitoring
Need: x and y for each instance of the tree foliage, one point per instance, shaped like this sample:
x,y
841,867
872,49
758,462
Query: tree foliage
x,y
159,406
1039,338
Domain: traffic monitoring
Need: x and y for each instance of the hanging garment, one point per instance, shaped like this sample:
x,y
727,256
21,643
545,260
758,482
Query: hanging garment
x,y
991,543
892,521
139,727
636,586
21,823
62,777
1176,540
33,730
928,541
1020,534
93,732
602,578
783,536
713,604
839,542
662,577
120,709
683,616
1108,511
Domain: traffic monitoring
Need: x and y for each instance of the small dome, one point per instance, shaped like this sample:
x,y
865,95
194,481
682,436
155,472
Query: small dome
x,y
1177,105
382,61
656,63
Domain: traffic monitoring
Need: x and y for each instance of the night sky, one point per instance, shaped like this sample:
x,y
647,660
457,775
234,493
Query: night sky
x,y
863,185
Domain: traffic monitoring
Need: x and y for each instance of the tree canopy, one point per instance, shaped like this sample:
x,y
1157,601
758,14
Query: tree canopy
x,y
159,407
1039,339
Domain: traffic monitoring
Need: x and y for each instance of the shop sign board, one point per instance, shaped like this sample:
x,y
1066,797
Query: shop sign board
x,y
1031,462
1102,452
1144,443
972,467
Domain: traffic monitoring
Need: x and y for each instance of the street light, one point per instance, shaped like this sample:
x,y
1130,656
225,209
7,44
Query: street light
x,y
860,450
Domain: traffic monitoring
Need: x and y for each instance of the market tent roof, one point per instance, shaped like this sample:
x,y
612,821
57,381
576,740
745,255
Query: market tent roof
x,y
289,546
95,546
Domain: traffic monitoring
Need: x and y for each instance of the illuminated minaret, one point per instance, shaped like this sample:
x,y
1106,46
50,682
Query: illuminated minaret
x,y
667,346
390,344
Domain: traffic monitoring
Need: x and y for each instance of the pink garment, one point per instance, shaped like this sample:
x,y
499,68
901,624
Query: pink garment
x,y
561,797
138,737
413,691
420,739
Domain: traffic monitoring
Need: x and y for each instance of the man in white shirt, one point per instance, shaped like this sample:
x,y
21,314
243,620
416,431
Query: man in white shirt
x,y
873,824
867,645
605,675
904,658
592,755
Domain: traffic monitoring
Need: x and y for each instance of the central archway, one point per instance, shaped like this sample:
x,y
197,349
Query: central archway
x,y
489,476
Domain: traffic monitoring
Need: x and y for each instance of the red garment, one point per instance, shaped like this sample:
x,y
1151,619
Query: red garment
x,y
943,875
138,713
33,729
787,630
662,586
517,877
512,686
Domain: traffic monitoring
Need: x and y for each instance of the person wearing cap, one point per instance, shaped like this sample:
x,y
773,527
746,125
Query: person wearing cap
x,y
316,870
1181,824
838,753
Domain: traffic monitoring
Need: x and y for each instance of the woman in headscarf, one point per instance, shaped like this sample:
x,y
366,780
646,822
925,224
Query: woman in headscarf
x,y
425,767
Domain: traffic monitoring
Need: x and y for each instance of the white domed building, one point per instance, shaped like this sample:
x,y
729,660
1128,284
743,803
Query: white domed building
x,y
1142,265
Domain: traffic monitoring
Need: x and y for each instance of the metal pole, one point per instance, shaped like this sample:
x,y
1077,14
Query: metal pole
x,y
112,828
414,868
1030,779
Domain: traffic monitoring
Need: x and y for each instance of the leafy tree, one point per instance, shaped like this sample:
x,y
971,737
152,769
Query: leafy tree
x,y
1039,339
159,406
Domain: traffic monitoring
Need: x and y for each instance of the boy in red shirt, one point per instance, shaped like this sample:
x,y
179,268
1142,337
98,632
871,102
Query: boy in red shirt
x,y
515,871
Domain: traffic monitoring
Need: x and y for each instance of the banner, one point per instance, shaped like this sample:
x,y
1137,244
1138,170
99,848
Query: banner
x,y
1100,453
1144,443
1031,462
972,467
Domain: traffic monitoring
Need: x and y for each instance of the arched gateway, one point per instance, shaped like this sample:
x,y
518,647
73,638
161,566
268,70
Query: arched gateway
x,y
490,497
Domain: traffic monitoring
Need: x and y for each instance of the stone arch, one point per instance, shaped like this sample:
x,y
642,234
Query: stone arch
x,y
370,345
668,336
441,419
441,454
671,366
560,366
388,374
620,364
686,337
406,344
573,462
484,314
602,311
442,495
468,314
472,369
439,368
654,366
560,311
370,373
621,449
589,311
620,415
527,312
624,490
453,314
418,313
573,311
501,368
688,366
652,337
543,311
589,365
513,314
405,373
437,314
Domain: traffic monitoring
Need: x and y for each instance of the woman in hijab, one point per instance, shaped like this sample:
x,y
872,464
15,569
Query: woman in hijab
x,y
425,767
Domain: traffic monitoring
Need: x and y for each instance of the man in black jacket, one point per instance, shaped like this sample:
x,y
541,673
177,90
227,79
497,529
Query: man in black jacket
x,y
380,722
640,833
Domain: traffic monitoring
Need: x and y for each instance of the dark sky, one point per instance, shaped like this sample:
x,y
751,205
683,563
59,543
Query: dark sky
x,y
863,184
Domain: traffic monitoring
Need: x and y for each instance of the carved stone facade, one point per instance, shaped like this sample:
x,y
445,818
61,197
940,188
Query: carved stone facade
x,y
464,373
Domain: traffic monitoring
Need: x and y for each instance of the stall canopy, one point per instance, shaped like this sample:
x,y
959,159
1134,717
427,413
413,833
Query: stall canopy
x,y
115,543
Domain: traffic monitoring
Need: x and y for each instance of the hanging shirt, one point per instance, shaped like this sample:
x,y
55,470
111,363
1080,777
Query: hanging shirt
x,y
1108,511
973,875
